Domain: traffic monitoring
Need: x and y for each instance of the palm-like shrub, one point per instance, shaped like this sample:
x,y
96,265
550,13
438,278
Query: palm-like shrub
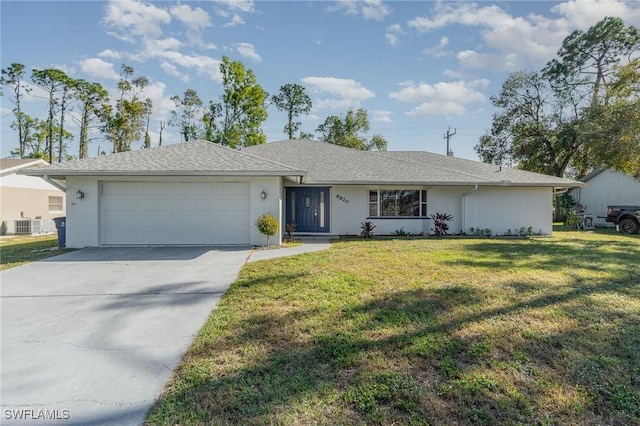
x,y
440,226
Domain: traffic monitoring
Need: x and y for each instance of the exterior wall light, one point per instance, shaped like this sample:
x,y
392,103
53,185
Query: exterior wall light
x,y
263,195
79,195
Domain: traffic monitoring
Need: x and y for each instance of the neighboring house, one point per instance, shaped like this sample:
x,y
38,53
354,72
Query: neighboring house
x,y
199,192
603,188
28,203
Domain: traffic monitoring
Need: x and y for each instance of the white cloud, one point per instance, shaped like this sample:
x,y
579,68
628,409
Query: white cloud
x,y
162,104
438,50
96,67
171,70
346,88
381,116
233,9
374,10
392,39
155,47
235,21
393,33
520,42
247,50
335,104
245,6
196,19
463,14
442,98
203,65
111,54
346,93
136,18
582,14
514,42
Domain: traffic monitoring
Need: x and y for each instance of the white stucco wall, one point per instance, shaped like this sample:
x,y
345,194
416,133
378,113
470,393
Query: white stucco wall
x,y
83,216
273,204
503,208
23,181
27,197
607,188
495,208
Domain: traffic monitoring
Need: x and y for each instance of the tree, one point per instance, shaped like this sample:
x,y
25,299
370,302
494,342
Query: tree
x,y
51,81
162,125
535,127
613,128
126,121
31,147
67,85
13,77
294,101
148,109
348,131
236,120
305,135
586,62
562,121
92,98
589,58
185,118
268,225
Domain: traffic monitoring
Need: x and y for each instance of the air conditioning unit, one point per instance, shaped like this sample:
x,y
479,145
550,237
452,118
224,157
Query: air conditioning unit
x,y
27,227
23,227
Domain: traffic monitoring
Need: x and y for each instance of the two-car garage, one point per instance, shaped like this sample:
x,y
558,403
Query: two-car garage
x,y
149,213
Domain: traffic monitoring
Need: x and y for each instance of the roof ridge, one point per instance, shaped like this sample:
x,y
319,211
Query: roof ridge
x,y
381,153
242,151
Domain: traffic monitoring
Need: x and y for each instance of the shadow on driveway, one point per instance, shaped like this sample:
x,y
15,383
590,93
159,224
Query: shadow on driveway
x,y
143,253
99,331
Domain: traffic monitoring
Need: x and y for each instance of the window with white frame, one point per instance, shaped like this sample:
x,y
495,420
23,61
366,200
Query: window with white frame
x,y
398,203
55,203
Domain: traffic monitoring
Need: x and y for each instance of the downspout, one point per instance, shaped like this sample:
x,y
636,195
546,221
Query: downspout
x,y
56,184
464,206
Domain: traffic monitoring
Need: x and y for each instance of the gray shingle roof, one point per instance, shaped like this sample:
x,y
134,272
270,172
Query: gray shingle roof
x,y
317,162
8,165
327,163
189,158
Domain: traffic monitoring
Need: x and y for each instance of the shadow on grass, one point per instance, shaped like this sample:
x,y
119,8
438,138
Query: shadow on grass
x,y
552,255
411,357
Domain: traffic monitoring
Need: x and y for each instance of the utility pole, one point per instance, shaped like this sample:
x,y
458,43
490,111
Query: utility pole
x,y
447,136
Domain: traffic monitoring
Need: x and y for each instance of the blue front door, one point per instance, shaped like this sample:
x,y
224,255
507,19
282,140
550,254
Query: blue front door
x,y
308,209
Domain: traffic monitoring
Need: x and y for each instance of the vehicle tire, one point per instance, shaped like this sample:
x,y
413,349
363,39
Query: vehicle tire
x,y
628,226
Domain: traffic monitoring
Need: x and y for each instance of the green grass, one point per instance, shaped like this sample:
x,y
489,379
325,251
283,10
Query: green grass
x,y
18,250
423,331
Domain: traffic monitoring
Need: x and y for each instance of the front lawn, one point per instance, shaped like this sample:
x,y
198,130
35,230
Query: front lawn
x,y
423,331
21,249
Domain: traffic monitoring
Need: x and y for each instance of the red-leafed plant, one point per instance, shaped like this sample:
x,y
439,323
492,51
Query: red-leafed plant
x,y
440,226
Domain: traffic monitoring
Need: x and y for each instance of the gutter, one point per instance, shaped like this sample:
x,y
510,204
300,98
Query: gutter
x,y
464,206
54,183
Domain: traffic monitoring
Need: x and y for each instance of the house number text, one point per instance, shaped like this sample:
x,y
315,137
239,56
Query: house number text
x,y
343,199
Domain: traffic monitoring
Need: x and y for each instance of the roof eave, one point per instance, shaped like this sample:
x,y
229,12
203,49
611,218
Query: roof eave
x,y
18,169
447,183
63,174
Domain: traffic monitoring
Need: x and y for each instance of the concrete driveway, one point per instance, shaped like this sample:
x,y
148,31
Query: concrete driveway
x,y
92,336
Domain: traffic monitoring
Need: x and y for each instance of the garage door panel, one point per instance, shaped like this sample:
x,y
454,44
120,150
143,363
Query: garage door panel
x,y
175,213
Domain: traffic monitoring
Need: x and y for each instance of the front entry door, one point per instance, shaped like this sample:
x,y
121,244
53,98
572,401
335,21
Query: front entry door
x,y
308,209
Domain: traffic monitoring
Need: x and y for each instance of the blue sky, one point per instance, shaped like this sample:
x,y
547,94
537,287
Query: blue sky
x,y
418,67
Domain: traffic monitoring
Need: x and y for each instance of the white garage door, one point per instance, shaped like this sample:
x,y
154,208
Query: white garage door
x,y
175,213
